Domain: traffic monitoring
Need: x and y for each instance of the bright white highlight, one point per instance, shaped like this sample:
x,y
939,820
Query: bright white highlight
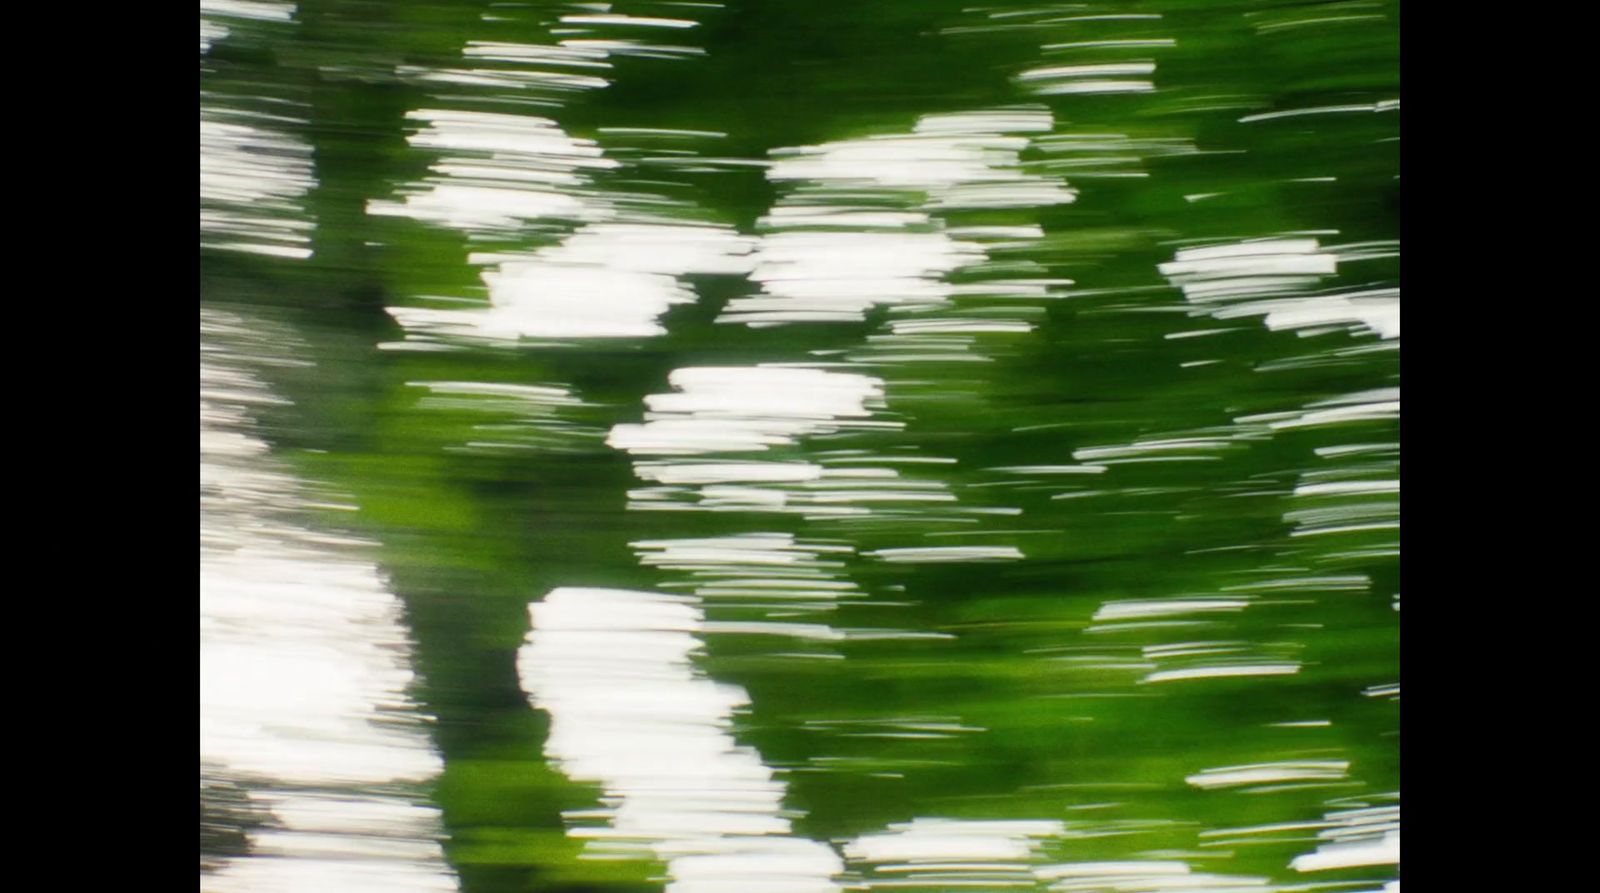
x,y
628,711
747,408
833,254
303,670
1274,279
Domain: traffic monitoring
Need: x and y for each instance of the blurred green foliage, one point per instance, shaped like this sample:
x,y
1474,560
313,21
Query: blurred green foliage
x,y
468,538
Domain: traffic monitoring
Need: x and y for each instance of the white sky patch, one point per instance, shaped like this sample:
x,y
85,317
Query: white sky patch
x,y
824,276
497,172
264,10
609,280
1382,851
832,255
539,299
612,278
719,412
1376,311
253,180
214,15
1276,279
937,157
628,710
303,670
1355,837
745,408
1263,267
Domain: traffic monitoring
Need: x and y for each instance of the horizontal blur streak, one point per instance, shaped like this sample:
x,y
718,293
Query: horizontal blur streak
x,y
741,409
937,854
1279,279
512,417
771,572
255,168
1234,776
502,174
253,177
857,226
1366,835
216,14
613,278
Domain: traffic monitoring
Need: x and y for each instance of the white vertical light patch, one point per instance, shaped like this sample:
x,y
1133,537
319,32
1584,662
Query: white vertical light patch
x,y
629,711
303,671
